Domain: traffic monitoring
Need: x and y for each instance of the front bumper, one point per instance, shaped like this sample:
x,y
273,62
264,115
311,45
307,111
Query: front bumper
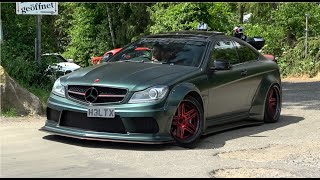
x,y
160,113
113,137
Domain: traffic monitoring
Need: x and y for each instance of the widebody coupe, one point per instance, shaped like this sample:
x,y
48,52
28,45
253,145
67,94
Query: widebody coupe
x,y
193,83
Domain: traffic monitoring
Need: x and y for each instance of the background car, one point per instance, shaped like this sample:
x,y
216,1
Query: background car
x,y
55,65
106,56
57,62
192,84
109,54
271,57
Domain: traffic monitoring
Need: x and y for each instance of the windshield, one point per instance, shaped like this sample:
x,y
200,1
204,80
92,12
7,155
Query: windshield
x,y
53,59
163,51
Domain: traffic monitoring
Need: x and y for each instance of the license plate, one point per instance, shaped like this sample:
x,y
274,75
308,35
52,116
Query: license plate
x,y
100,112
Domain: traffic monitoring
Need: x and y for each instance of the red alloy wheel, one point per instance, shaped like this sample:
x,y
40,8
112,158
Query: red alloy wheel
x,y
185,123
274,99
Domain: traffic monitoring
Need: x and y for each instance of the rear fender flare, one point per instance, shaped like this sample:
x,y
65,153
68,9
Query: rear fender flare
x,y
258,103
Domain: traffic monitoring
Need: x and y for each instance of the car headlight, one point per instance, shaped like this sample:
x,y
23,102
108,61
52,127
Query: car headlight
x,y
152,94
58,89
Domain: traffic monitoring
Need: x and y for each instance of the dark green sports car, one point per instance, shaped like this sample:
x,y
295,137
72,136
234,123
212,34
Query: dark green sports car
x,y
189,84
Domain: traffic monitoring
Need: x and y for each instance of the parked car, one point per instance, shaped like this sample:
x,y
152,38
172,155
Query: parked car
x,y
193,84
57,62
271,57
106,56
109,54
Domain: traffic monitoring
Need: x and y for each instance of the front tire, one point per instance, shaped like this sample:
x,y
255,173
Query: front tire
x,y
187,123
273,105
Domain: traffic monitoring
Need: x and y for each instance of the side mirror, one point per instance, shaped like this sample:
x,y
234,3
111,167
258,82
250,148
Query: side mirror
x,y
221,65
70,60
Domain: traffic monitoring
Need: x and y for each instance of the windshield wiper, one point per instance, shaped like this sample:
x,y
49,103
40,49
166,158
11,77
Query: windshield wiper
x,y
142,61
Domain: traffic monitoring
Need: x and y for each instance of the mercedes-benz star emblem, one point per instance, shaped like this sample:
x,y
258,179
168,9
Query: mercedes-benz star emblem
x,y
91,95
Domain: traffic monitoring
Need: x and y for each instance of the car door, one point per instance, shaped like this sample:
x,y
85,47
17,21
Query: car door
x,y
228,91
251,68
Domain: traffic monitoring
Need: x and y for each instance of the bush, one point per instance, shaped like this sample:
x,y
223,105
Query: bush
x,y
12,112
294,62
26,71
187,16
273,36
17,48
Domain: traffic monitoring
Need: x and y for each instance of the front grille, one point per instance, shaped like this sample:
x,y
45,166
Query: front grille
x,y
53,115
81,121
105,94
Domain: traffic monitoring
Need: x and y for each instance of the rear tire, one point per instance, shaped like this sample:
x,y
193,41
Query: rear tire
x,y
273,105
187,123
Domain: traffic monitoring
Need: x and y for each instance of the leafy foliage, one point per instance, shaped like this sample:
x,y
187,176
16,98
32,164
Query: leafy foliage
x,y
274,37
291,17
260,12
186,16
17,48
62,23
17,53
295,63
89,31
12,112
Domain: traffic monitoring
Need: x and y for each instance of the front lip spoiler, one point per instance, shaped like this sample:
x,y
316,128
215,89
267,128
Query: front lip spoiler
x,y
105,139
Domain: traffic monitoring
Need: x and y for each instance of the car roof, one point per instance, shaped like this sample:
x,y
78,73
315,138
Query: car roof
x,y
186,34
50,54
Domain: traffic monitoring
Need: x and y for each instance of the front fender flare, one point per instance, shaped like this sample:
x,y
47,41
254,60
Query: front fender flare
x,y
176,95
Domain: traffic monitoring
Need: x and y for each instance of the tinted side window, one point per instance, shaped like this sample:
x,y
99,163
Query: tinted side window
x,y
49,59
61,59
245,53
224,50
53,59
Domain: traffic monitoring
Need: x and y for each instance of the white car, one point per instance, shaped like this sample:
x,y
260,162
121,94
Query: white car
x,y
59,63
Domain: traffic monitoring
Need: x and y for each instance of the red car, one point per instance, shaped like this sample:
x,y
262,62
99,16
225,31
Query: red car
x,y
107,55
270,56
96,60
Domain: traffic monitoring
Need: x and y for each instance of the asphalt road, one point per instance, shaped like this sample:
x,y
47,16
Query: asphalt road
x,y
288,148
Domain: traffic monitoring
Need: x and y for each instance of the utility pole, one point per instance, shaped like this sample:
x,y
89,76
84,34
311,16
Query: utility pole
x,y
306,40
38,39
1,31
241,12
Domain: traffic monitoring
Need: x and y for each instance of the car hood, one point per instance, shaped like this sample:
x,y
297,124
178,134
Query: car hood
x,y
131,75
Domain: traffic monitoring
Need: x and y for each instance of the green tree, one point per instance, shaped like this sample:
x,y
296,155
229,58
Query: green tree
x,y
186,16
295,63
261,12
92,30
82,32
291,17
18,47
61,25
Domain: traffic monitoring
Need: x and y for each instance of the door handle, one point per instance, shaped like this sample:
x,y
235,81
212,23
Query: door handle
x,y
244,72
